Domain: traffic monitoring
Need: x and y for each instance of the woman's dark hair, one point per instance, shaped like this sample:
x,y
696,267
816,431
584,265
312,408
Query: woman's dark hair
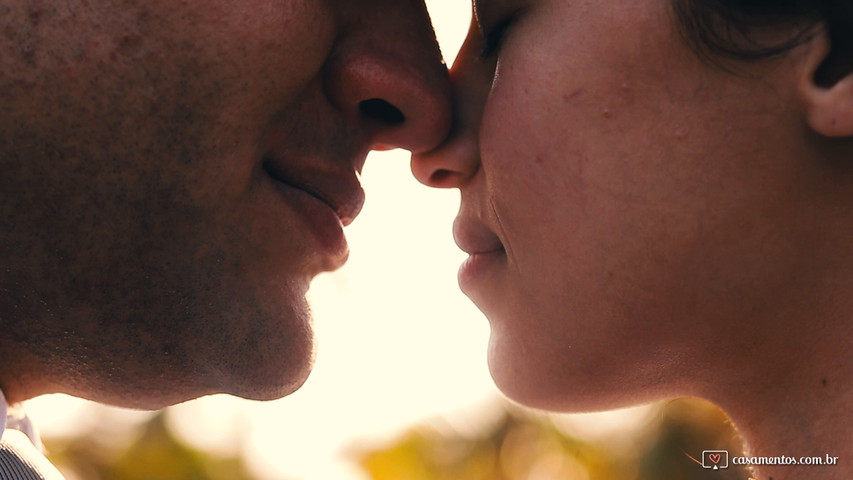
x,y
737,29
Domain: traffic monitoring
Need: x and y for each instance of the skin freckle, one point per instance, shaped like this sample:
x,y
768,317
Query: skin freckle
x,y
574,94
35,15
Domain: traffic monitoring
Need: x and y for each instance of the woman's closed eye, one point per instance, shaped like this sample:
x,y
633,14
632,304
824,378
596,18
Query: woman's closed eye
x,y
494,36
494,19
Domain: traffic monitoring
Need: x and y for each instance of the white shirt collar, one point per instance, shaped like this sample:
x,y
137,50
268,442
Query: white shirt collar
x,y
14,417
3,408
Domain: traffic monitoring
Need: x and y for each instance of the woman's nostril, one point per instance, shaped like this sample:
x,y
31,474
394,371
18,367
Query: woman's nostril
x,y
378,109
440,177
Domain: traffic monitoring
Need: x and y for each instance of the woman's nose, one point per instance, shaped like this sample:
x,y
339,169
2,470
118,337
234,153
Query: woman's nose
x,y
388,74
457,159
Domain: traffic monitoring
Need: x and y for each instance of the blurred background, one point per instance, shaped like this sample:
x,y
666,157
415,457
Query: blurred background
x,y
400,389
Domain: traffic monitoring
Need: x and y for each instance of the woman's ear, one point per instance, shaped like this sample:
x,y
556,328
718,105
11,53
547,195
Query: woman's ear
x,y
826,87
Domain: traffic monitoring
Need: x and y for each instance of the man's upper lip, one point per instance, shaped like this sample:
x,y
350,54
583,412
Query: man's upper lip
x,y
339,188
473,237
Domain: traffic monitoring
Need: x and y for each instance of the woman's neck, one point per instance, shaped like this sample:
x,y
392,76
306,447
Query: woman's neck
x,y
798,408
785,433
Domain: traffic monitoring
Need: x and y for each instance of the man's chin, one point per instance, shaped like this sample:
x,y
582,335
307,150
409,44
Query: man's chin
x,y
254,388
274,386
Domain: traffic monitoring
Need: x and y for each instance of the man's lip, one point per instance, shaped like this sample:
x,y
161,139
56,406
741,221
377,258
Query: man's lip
x,y
329,245
340,190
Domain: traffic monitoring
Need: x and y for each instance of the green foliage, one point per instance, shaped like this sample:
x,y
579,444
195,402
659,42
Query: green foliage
x,y
520,445
155,455
525,445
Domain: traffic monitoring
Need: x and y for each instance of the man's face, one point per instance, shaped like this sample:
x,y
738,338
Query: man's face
x,y
175,173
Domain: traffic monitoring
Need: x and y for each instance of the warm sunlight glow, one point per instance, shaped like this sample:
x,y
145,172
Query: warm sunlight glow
x,y
398,343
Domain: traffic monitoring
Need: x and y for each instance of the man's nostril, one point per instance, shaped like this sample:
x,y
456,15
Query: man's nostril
x,y
381,110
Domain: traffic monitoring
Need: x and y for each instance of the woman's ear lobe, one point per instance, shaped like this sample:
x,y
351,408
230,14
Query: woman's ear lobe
x,y
826,88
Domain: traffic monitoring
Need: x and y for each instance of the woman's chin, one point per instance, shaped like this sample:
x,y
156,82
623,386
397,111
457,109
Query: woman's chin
x,y
535,379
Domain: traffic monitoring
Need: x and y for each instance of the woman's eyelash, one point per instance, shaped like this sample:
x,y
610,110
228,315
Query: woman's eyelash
x,y
494,38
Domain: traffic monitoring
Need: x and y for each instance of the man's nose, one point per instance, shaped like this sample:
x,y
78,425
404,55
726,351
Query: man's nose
x,y
388,74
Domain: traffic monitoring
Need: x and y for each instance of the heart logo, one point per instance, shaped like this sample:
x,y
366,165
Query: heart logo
x,y
714,457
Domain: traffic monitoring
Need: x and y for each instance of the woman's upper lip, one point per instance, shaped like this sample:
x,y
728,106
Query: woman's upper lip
x,y
340,189
474,237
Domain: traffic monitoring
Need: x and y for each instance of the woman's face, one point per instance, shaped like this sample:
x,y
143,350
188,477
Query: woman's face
x,y
634,214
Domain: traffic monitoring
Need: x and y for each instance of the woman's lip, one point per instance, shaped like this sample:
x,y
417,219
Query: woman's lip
x,y
486,251
479,266
474,238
